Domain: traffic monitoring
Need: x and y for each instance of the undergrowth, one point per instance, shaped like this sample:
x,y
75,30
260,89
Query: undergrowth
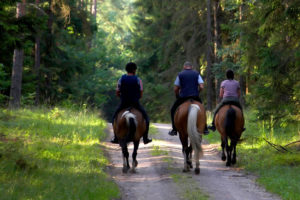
x,y
53,154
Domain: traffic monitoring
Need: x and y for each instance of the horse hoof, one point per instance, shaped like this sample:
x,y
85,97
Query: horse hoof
x,y
185,170
135,163
197,171
125,169
223,158
133,171
228,164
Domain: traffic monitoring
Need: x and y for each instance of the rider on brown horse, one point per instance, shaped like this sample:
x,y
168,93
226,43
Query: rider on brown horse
x,y
230,93
130,90
188,84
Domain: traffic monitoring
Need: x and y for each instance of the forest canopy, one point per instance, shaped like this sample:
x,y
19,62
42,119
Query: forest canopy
x,y
74,51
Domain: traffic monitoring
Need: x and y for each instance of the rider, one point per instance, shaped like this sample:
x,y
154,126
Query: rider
x,y
188,84
230,93
130,90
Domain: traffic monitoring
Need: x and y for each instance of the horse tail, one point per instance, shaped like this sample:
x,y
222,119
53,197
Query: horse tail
x,y
194,135
229,121
131,123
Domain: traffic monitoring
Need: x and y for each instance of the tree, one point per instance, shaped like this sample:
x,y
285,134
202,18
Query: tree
x,y
16,79
209,76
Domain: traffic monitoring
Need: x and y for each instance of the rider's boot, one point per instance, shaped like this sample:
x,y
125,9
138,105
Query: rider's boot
x,y
206,132
172,132
146,139
212,127
114,140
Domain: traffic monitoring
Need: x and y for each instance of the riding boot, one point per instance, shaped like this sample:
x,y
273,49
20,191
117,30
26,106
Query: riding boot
x,y
206,132
145,136
212,127
146,139
114,140
172,132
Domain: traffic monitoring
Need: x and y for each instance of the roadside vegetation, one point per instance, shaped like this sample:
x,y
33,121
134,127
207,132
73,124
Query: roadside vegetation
x,y
270,150
53,154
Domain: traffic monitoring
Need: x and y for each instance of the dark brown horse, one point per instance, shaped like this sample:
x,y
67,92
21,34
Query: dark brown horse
x,y
230,123
129,126
190,120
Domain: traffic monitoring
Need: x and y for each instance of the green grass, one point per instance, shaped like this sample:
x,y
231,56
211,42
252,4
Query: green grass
x,y
53,154
278,172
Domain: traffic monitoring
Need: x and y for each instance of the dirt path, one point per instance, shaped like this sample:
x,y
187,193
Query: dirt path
x,y
153,178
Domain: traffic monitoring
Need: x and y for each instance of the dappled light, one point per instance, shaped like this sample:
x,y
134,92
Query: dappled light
x,y
62,69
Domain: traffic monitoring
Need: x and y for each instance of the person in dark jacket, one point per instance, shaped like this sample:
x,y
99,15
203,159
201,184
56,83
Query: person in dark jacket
x,y
188,84
130,90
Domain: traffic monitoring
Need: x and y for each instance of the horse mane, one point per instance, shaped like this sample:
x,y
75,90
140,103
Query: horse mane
x,y
229,122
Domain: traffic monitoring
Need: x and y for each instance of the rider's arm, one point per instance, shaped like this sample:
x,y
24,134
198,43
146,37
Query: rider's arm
x,y
221,93
176,90
118,93
239,92
201,86
141,87
118,89
201,83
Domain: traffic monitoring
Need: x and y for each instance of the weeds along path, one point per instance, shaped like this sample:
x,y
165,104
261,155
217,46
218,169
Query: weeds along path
x,y
159,173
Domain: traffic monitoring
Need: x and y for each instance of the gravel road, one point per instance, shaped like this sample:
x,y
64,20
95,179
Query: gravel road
x,y
153,179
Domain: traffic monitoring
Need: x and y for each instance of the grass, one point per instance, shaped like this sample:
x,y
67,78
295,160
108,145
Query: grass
x,y
53,154
187,187
278,172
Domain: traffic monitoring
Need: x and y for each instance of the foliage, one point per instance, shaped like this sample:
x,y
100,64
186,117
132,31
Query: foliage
x,y
50,154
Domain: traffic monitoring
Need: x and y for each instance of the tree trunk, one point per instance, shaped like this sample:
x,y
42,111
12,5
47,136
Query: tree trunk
x,y
37,63
16,78
242,76
209,77
217,45
94,8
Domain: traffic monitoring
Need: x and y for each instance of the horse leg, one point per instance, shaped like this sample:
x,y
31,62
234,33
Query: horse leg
x,y
234,152
223,147
190,153
134,154
229,151
125,153
185,152
197,161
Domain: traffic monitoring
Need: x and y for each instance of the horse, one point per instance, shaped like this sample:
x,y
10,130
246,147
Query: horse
x,y
129,126
229,123
190,121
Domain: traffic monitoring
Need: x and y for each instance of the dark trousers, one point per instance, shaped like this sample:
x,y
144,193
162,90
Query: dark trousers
x,y
177,103
137,106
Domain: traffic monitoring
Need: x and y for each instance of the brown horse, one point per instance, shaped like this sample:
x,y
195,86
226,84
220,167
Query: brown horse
x,y
190,120
129,126
230,123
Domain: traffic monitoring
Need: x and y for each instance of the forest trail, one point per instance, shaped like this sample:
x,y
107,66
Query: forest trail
x,y
153,178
